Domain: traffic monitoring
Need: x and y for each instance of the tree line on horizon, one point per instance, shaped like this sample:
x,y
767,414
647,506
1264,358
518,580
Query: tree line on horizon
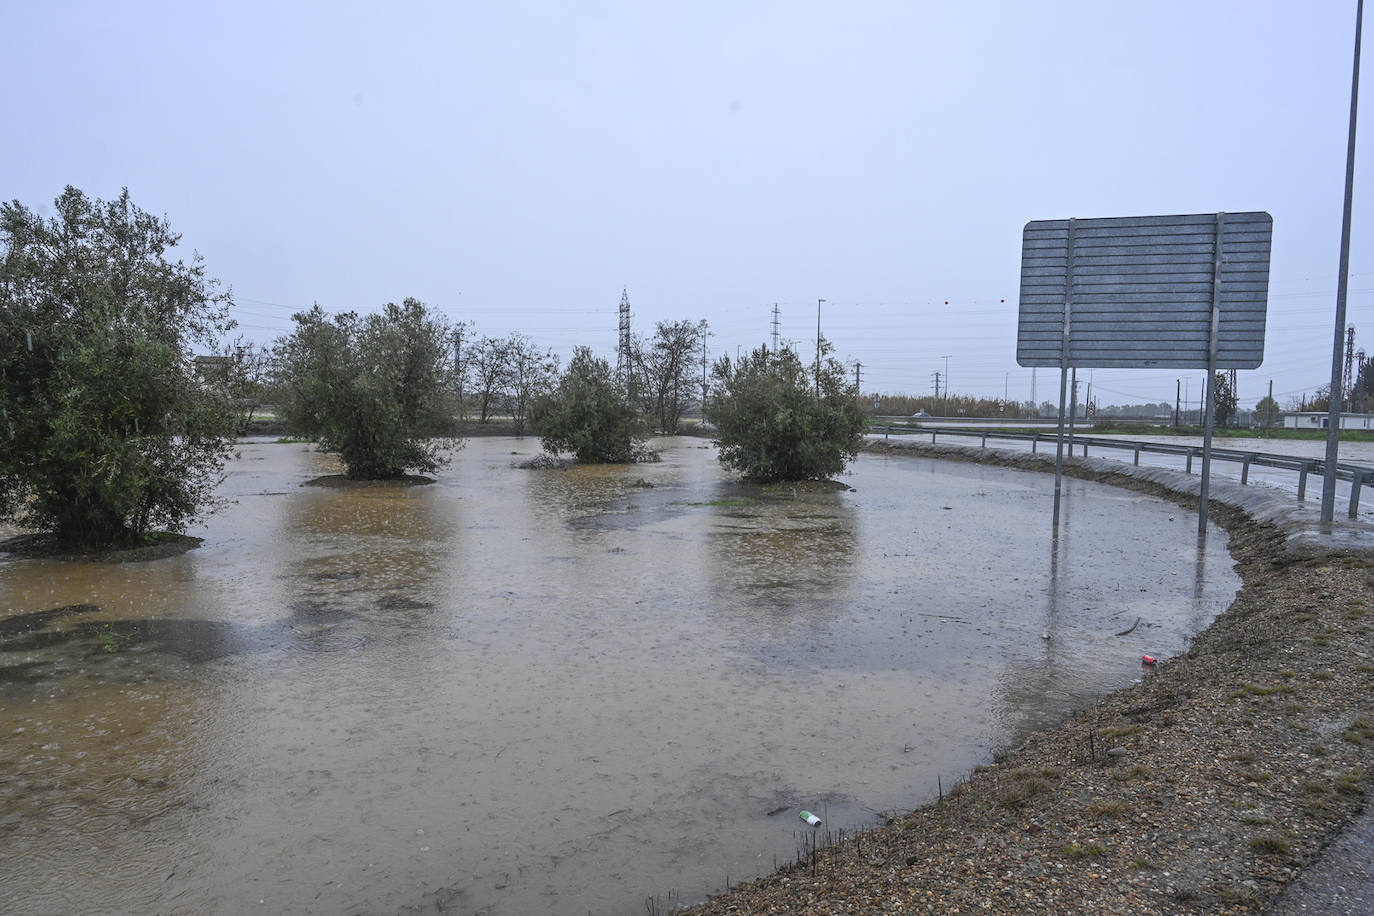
x,y
114,432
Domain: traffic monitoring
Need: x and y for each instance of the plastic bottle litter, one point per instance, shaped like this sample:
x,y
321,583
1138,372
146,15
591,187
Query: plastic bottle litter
x,y
810,818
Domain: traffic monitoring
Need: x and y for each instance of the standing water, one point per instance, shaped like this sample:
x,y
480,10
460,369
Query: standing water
x,y
524,691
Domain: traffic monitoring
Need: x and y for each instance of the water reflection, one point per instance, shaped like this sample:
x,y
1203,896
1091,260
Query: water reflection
x,y
780,556
1103,612
382,537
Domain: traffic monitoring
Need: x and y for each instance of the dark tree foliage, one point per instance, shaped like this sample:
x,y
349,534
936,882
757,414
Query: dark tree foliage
x,y
1225,400
107,433
375,389
1267,410
587,414
773,422
1364,381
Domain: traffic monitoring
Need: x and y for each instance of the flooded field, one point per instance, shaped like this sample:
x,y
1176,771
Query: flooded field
x,y
521,692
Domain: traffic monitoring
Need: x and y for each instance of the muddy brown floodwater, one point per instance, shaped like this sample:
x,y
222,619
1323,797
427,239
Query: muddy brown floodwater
x,y
556,692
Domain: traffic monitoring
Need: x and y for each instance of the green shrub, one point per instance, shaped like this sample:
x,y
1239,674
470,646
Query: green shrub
x,y
374,388
589,415
107,431
774,420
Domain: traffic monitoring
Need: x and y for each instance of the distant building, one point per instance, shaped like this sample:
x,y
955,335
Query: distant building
x,y
1312,419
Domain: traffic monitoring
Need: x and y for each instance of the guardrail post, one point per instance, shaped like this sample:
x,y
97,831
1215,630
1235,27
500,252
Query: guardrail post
x,y
1302,480
985,441
1245,470
1085,450
1356,481
1137,456
1035,440
1188,469
887,430
932,437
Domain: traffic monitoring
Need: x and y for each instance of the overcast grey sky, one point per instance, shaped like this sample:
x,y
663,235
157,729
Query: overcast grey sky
x,y
517,164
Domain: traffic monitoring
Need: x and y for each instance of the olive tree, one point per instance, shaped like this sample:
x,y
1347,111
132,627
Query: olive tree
x,y
107,433
588,415
774,420
374,389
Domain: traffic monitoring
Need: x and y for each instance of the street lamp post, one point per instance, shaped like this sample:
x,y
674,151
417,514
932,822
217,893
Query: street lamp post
x,y
1333,411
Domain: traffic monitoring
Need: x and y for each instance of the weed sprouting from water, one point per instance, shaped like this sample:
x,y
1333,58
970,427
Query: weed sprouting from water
x,y
662,906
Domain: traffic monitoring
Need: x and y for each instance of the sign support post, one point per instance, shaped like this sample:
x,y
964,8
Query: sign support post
x,y
1211,411
1063,376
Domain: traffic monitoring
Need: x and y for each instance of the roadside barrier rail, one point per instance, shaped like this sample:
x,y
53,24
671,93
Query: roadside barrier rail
x,y
1359,476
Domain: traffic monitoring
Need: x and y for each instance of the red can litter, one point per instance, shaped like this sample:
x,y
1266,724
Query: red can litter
x,y
1147,659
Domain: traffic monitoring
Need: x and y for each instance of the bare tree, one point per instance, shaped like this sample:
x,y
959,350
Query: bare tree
x,y
489,367
464,345
248,380
667,367
529,374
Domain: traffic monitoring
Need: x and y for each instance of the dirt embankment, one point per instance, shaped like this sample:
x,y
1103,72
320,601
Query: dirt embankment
x,y
1204,789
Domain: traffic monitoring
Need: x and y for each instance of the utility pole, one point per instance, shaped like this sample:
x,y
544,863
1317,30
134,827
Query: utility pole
x,y
777,323
1073,403
703,372
458,367
1073,408
1235,393
818,348
1269,408
1178,397
946,359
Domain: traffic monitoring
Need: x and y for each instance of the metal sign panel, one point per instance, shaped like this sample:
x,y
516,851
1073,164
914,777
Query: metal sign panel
x,y
1138,292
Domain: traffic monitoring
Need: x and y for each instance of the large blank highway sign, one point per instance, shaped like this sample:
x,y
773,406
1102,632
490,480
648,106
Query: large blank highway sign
x,y
1138,292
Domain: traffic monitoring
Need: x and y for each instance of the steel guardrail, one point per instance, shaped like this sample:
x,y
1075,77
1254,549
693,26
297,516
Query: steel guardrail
x,y
1359,476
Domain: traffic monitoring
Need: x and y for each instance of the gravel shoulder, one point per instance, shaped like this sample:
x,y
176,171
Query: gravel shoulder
x,y
1209,787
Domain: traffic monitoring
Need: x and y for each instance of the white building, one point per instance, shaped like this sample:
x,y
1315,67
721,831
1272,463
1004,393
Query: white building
x,y
1318,420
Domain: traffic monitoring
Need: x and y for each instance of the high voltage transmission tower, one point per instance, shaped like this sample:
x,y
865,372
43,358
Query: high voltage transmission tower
x,y
1348,389
623,356
777,323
